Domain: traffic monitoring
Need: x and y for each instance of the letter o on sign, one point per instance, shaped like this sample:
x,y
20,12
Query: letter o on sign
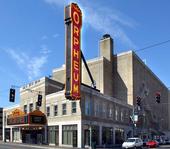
x,y
76,17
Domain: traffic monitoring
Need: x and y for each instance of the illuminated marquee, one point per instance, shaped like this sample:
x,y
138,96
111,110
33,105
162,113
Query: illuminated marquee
x,y
73,21
18,117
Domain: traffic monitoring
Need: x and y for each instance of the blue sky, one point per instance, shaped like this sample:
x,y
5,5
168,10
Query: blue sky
x,y
32,36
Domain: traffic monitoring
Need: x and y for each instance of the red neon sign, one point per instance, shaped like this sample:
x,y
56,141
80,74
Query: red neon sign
x,y
76,17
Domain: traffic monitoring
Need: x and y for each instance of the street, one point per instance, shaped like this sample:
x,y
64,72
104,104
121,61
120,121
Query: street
x,y
27,146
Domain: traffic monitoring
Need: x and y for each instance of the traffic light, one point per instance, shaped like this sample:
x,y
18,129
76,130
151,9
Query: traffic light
x,y
39,102
138,100
12,95
158,97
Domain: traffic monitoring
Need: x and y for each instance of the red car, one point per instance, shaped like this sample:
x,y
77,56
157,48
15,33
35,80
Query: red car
x,y
152,143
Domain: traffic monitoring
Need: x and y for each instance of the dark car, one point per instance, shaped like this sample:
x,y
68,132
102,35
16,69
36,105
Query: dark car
x,y
152,143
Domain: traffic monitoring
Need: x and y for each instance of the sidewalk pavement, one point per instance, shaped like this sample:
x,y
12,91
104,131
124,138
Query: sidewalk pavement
x,y
42,146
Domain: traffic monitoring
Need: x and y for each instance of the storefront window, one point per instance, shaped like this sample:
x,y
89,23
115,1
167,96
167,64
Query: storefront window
x,y
16,134
69,135
74,107
7,134
94,134
119,136
107,135
53,135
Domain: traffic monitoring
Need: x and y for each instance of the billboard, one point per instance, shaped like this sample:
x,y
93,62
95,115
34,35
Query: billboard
x,y
73,22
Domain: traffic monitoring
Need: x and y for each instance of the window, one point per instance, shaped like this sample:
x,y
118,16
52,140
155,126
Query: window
x,y
55,110
107,135
53,133
87,107
69,131
96,113
64,109
121,116
116,114
31,107
25,108
48,111
104,110
74,107
110,112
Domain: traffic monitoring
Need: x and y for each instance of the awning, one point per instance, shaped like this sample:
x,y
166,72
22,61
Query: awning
x,y
33,118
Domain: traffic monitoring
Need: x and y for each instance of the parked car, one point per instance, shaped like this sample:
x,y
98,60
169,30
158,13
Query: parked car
x,y
167,141
133,143
152,143
161,141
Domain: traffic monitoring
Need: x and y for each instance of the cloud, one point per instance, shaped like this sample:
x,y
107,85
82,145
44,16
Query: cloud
x,y
31,65
104,20
112,22
35,65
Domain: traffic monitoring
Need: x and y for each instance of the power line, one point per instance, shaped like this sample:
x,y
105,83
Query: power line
x,y
153,45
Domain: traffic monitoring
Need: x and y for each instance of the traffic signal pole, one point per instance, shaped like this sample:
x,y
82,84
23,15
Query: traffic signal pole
x,y
12,94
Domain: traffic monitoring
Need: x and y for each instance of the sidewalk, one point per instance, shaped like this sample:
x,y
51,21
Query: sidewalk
x,y
37,146
47,146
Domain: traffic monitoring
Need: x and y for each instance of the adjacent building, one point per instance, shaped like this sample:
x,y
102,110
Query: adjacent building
x,y
102,115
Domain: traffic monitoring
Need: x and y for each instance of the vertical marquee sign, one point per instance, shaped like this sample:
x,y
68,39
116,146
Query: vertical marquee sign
x,y
73,23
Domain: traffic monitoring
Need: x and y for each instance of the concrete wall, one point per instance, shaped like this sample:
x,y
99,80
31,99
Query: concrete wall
x,y
145,85
103,108
59,99
123,79
44,86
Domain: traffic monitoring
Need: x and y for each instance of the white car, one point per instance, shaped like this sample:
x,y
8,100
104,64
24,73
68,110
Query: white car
x,y
133,143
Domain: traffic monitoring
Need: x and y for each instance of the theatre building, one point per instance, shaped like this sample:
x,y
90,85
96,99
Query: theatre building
x,y
101,116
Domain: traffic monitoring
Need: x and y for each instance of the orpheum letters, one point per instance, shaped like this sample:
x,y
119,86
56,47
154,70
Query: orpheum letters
x,y
73,21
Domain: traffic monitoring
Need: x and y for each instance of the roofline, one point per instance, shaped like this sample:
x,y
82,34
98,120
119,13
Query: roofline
x,y
140,60
11,107
147,67
88,61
